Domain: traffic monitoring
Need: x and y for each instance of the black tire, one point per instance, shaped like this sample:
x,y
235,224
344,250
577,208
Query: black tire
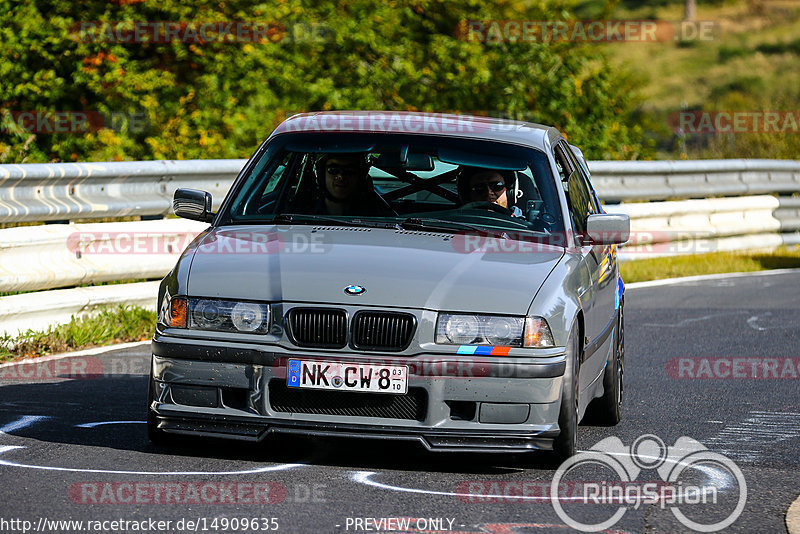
x,y
565,444
607,410
154,434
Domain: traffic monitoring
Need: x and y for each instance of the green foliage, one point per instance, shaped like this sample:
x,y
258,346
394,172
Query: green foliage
x,y
182,100
792,47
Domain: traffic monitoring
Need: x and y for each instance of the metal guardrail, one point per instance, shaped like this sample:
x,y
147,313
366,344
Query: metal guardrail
x,y
617,181
60,255
67,191
54,255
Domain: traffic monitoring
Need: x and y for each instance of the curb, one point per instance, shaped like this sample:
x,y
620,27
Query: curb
x,y
702,277
87,352
793,517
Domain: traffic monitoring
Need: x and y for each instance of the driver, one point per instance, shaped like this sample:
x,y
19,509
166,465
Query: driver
x,y
476,184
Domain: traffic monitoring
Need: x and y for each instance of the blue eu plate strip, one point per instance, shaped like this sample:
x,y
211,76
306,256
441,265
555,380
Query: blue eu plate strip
x,y
293,377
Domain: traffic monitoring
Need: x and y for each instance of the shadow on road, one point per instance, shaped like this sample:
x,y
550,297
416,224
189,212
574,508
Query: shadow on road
x,y
69,403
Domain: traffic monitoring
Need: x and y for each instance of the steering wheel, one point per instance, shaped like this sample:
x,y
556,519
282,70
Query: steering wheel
x,y
491,206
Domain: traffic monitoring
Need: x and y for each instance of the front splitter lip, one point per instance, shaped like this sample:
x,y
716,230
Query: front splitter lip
x,y
434,440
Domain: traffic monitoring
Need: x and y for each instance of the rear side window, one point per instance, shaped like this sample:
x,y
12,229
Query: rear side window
x,y
579,169
581,203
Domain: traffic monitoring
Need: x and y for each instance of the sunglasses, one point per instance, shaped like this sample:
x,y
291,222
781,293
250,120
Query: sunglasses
x,y
341,170
496,187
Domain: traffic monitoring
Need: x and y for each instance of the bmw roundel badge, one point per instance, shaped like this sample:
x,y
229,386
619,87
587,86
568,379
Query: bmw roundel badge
x,y
355,290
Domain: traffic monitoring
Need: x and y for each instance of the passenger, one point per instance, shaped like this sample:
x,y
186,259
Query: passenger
x,y
345,186
476,184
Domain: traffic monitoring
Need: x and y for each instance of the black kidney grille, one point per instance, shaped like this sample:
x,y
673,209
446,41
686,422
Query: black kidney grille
x,y
382,330
412,405
318,327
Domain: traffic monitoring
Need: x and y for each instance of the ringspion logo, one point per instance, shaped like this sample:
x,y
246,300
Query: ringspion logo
x,y
706,491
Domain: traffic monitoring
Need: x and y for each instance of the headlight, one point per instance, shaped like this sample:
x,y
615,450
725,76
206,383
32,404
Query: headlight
x,y
248,317
459,329
464,329
219,315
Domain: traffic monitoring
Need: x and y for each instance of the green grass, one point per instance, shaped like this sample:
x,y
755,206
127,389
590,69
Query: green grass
x,y
716,262
750,64
119,324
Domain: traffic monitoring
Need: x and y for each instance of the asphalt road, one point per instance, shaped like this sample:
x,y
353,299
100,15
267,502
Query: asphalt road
x,y
75,448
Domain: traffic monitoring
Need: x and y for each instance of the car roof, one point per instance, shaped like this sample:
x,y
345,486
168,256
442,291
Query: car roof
x,y
412,122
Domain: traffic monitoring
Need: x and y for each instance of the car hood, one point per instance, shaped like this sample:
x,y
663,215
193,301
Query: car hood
x,y
407,269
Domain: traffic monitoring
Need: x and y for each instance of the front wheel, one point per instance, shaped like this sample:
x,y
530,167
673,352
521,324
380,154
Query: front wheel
x,y
607,410
565,444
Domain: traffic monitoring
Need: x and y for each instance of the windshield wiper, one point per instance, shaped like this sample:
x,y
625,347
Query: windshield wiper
x,y
290,218
442,225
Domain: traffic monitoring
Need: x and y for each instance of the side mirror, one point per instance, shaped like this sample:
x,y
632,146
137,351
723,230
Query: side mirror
x,y
608,228
193,204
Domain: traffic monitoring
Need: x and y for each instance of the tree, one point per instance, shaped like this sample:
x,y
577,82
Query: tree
x,y
190,98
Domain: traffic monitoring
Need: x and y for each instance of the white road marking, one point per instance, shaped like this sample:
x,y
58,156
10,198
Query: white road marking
x,y
101,423
266,469
751,322
686,322
721,478
758,434
704,277
22,422
364,477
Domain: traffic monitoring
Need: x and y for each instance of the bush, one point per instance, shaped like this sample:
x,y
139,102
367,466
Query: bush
x,y
181,100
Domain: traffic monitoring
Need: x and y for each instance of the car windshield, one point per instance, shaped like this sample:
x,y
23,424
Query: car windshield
x,y
391,180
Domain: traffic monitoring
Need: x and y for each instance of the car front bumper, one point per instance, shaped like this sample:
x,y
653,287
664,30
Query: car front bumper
x,y
462,403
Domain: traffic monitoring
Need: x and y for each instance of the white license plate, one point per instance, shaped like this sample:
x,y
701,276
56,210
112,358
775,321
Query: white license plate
x,y
345,376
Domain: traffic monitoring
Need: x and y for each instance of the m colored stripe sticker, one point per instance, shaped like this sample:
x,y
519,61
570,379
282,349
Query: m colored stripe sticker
x,y
483,350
